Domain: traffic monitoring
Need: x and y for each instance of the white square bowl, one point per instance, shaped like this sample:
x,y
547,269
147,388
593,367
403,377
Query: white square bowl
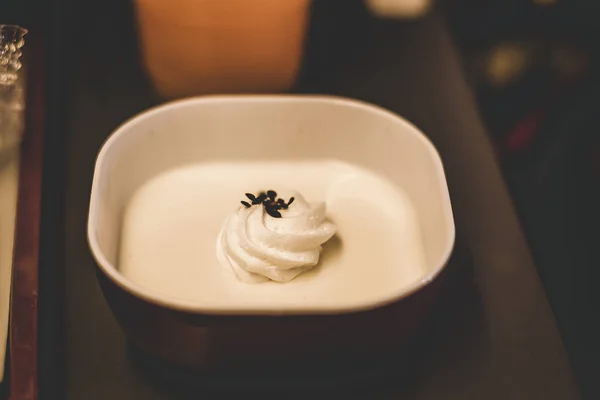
x,y
237,128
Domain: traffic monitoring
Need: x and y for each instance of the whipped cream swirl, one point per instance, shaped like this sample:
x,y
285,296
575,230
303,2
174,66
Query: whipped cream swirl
x,y
259,247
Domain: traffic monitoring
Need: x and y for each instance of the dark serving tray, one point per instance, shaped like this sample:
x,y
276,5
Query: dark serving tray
x,y
492,334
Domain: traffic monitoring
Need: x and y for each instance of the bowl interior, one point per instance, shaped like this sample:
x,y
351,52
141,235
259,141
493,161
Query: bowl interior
x,y
217,128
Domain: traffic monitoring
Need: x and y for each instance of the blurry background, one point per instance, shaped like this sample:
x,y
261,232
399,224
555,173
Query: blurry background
x,y
534,68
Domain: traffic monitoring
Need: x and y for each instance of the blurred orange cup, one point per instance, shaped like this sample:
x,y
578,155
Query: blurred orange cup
x,y
193,47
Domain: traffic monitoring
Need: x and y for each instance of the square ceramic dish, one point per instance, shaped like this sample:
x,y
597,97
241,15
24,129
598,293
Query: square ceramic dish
x,y
238,127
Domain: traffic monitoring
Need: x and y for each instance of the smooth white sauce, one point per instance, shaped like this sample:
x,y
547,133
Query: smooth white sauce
x,y
171,224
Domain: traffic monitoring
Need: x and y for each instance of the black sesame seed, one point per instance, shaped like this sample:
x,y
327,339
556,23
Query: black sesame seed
x,y
273,212
272,194
245,203
291,201
262,196
280,201
250,196
284,206
256,201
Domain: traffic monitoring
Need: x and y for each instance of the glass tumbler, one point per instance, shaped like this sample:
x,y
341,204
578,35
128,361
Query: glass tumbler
x,y
12,86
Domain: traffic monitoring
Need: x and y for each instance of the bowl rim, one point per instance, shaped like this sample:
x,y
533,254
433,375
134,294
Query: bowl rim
x,y
178,304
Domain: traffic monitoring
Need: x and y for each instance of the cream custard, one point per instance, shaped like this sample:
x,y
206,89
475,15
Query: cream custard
x,y
173,221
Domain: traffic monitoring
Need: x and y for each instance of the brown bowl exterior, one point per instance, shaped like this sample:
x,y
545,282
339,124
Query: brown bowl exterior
x,y
208,342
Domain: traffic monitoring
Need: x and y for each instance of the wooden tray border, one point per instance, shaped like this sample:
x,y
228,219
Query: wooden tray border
x,y
23,336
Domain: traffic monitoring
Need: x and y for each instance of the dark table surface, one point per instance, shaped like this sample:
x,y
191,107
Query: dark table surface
x,y
492,335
